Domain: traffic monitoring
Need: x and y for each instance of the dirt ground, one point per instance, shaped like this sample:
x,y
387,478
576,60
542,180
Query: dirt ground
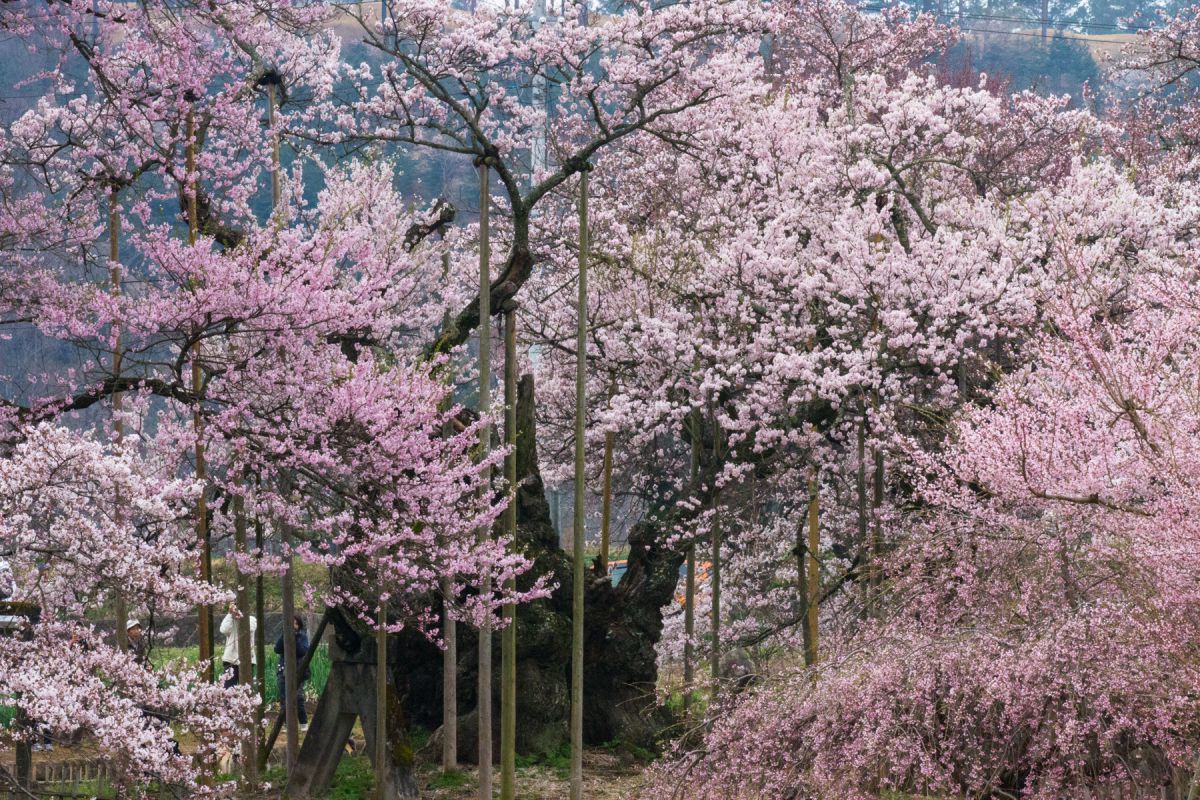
x,y
605,777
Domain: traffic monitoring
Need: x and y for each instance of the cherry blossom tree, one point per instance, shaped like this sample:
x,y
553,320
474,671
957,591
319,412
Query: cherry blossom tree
x,y
1060,510
73,550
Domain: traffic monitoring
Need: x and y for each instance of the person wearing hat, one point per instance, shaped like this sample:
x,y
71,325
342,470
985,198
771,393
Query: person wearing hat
x,y
137,643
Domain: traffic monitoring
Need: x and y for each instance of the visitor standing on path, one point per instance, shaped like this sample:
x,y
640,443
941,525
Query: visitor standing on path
x,y
230,658
281,677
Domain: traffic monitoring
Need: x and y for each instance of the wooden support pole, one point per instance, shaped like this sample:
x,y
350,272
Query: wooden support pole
x,y
484,693
450,638
381,689
245,643
260,644
811,640
508,661
577,593
192,190
689,596
714,570
606,502
114,280
290,675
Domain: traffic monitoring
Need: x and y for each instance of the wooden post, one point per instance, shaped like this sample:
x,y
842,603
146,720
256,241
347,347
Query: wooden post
x,y
606,502
381,688
191,191
449,685
484,711
245,644
876,575
508,662
290,682
801,551
689,596
578,537
450,637
260,644
814,572
114,280
714,570
861,490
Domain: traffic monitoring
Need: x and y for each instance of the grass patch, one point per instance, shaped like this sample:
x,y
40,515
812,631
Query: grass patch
x,y
560,759
454,779
97,790
419,738
275,775
636,752
353,780
674,702
318,668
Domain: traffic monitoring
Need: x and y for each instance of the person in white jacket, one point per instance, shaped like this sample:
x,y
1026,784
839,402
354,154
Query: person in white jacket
x,y
7,582
230,657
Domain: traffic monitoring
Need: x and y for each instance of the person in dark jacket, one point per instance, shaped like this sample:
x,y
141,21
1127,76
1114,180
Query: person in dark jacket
x,y
301,649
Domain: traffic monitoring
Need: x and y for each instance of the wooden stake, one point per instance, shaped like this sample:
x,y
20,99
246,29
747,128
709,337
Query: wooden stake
x,y
260,644
814,572
861,486
714,571
290,683
450,637
606,502
689,597
578,537
205,611
484,711
114,279
245,645
381,690
508,661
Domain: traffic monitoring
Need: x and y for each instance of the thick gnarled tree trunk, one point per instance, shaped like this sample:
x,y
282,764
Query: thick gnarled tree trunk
x,y
623,625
